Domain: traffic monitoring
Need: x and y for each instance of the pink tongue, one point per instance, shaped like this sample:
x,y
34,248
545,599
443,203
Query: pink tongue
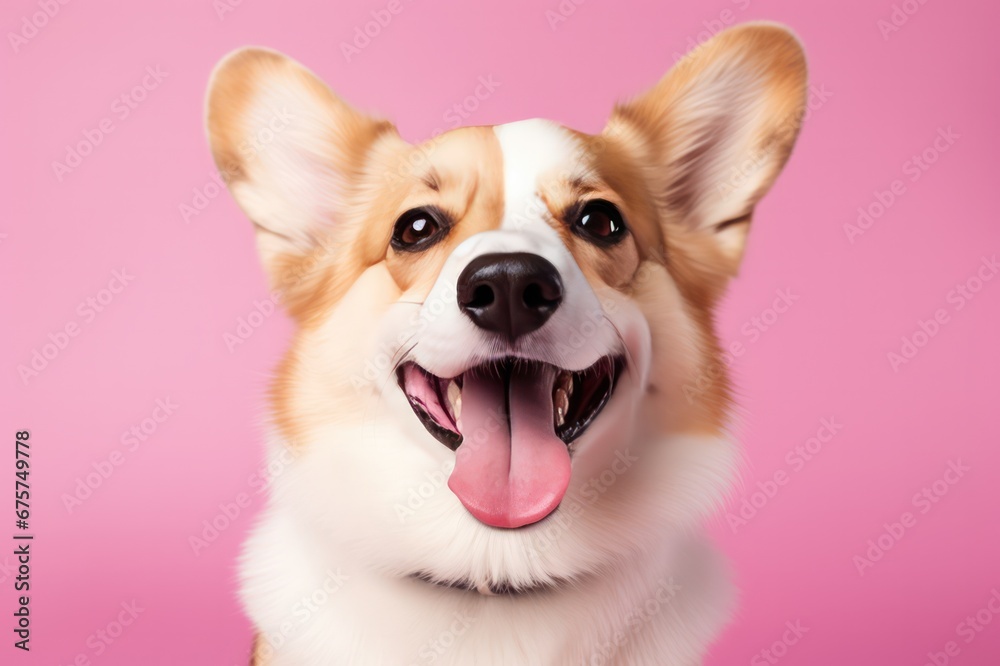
x,y
509,475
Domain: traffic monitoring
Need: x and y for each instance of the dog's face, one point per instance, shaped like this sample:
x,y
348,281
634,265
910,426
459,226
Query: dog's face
x,y
505,321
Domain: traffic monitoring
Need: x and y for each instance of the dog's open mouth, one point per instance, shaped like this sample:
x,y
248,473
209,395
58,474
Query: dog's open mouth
x,y
510,422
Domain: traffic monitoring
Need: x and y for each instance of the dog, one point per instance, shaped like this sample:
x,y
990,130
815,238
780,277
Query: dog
x,y
503,417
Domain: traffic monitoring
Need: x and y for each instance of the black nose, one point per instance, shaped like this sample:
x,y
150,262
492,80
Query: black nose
x,y
510,294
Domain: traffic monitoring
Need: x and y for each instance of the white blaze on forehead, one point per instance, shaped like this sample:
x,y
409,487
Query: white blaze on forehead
x,y
533,149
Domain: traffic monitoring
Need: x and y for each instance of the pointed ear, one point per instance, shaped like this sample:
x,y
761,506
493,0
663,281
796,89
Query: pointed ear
x,y
289,150
715,132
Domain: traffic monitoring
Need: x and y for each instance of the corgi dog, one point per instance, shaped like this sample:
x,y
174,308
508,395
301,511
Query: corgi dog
x,y
503,417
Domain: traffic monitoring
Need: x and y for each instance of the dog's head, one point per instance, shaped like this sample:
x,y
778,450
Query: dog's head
x,y
506,320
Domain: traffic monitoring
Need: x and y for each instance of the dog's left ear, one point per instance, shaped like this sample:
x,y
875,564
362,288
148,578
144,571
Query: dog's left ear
x,y
715,132
290,151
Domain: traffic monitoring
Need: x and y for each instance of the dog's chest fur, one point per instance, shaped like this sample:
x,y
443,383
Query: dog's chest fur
x,y
660,609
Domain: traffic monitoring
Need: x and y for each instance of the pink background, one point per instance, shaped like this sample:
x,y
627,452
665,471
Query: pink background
x,y
826,357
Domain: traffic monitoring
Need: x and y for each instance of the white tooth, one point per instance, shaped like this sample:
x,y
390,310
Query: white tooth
x,y
566,383
561,401
455,399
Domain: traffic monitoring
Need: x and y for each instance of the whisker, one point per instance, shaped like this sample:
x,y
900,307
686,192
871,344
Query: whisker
x,y
402,357
621,339
396,360
400,352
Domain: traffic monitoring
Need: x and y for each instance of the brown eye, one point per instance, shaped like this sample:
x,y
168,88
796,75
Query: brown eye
x,y
601,222
417,230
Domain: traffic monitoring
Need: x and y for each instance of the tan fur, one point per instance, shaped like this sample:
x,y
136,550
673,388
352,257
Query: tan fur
x,y
257,653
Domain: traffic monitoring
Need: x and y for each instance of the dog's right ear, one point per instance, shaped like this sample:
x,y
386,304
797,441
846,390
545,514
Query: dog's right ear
x,y
716,131
289,150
